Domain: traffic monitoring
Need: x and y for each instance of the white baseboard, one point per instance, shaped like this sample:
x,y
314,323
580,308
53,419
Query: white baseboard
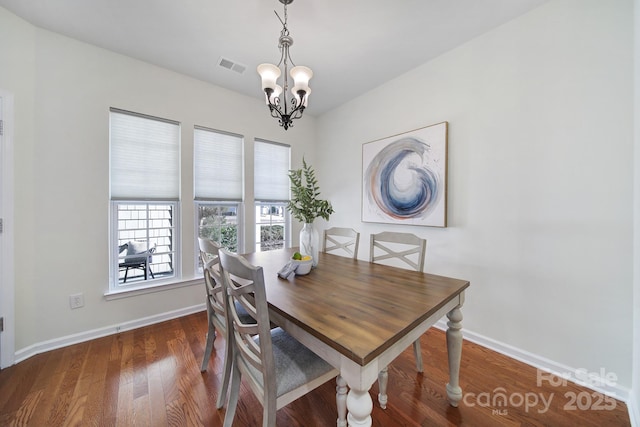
x,y
575,375
42,347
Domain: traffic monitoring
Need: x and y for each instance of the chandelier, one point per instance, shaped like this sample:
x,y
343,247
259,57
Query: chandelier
x,y
276,96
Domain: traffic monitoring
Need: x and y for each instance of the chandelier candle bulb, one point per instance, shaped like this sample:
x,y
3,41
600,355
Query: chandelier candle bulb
x,y
269,74
301,75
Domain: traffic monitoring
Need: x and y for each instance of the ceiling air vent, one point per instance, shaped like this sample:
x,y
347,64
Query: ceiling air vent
x,y
231,65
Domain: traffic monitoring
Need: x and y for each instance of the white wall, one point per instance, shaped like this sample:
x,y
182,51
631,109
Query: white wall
x,y
540,177
63,90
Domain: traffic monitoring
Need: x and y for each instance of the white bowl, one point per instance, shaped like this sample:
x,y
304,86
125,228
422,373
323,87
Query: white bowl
x,y
302,267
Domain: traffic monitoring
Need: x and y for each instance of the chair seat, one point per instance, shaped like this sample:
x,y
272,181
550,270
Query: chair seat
x,y
295,364
134,261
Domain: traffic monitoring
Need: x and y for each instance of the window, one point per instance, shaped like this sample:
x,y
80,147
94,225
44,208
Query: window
x,y
270,226
144,187
145,228
218,187
271,187
219,222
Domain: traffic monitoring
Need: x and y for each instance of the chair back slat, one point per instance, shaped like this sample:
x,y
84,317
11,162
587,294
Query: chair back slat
x,y
243,283
400,246
338,239
209,255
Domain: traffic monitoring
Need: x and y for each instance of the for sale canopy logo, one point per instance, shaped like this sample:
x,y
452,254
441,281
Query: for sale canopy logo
x,y
499,400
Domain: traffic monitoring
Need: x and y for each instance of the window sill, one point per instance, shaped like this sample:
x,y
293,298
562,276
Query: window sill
x,y
132,291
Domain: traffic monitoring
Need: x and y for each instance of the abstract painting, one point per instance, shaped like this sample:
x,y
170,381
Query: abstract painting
x,y
404,178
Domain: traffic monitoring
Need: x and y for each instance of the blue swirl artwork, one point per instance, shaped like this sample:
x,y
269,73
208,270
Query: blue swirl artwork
x,y
404,183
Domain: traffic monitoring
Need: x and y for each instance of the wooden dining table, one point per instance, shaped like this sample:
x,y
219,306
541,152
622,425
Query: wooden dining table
x,y
359,316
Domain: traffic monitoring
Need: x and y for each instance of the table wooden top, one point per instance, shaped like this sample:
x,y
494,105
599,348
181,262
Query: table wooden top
x,y
356,307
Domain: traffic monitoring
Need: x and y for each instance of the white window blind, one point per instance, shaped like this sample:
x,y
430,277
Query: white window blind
x,y
145,157
271,171
217,165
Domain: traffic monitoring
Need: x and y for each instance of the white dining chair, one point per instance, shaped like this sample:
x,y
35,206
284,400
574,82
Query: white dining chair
x,y
216,313
409,249
277,367
340,240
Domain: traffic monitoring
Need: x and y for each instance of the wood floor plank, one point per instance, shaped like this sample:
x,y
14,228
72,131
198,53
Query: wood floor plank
x,y
89,374
151,376
96,369
142,411
188,379
139,364
60,409
110,392
18,383
57,381
23,415
124,414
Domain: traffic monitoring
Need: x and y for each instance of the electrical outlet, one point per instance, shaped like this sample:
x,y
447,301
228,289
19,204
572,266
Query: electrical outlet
x,y
76,301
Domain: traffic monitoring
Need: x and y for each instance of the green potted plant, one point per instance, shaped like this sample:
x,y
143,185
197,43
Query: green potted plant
x,y
305,206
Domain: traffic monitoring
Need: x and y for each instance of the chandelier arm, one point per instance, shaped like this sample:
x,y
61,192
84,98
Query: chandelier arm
x,y
299,113
275,113
294,105
285,118
274,109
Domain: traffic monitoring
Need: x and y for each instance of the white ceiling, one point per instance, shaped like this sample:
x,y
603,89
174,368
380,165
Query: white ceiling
x,y
352,46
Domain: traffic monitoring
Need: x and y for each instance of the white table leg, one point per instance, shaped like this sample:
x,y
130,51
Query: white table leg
x,y
454,351
341,401
359,405
383,379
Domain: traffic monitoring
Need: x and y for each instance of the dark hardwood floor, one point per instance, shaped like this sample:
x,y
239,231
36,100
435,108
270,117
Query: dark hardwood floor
x,y
151,377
